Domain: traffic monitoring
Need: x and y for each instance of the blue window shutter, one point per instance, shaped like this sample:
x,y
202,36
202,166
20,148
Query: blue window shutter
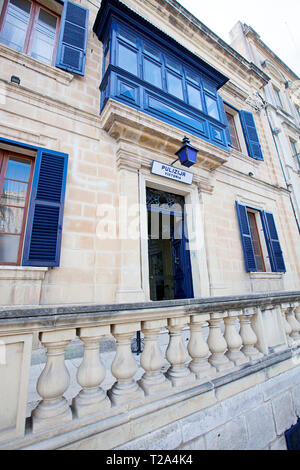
x,y
45,216
273,245
71,49
251,137
249,257
225,121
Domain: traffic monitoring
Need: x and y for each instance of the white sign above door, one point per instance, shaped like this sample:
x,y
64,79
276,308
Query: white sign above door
x,y
169,171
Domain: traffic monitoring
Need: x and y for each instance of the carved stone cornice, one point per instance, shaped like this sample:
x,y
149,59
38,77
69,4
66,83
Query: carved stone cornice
x,y
146,138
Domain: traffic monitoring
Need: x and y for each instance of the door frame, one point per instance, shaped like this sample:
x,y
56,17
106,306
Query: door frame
x,y
193,213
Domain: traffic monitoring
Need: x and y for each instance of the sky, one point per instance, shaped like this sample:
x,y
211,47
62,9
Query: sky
x,y
276,22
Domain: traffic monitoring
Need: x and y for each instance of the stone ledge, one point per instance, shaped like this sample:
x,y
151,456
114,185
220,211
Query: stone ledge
x,y
124,123
265,275
75,313
29,62
22,273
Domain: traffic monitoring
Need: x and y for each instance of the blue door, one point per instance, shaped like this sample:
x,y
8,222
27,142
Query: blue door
x,y
183,286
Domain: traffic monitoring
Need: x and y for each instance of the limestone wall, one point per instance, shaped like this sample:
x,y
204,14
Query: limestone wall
x,y
57,110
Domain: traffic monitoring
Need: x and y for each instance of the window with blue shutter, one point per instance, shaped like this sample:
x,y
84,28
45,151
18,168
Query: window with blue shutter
x,y
250,134
71,50
44,224
253,240
246,237
273,244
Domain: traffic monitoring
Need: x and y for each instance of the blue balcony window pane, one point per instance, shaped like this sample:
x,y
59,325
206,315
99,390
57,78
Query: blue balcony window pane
x,y
194,96
127,36
212,107
208,86
152,52
192,76
173,64
152,73
174,85
127,59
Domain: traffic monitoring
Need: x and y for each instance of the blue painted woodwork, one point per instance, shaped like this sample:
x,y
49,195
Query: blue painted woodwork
x,y
245,232
182,271
292,437
45,216
42,239
271,237
250,134
273,244
71,48
149,71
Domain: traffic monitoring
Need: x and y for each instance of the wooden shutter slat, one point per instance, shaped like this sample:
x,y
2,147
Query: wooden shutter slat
x,y
251,136
245,232
44,224
71,50
273,244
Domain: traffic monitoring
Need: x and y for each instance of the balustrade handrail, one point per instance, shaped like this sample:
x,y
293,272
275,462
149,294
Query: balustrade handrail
x,y
56,314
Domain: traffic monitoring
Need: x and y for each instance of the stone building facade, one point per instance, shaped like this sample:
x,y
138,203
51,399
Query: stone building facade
x,y
281,97
141,191
104,256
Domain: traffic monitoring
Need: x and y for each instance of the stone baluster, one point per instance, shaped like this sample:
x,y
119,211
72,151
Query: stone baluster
x,y
287,327
217,344
198,348
248,335
124,366
91,372
53,409
176,353
293,322
233,339
153,380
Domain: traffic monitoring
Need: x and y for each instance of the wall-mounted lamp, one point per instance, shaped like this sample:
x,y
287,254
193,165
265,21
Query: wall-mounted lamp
x,y
15,79
187,154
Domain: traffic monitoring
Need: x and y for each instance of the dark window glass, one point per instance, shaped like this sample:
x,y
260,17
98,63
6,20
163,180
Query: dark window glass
x,y
127,36
151,51
192,76
173,64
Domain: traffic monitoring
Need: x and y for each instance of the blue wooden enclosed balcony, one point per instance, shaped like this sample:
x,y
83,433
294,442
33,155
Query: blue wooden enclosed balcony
x,y
151,72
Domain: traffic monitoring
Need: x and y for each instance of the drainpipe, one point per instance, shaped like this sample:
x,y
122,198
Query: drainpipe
x,y
280,161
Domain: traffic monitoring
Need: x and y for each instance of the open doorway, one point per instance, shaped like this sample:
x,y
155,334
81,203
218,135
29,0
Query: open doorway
x,y
169,258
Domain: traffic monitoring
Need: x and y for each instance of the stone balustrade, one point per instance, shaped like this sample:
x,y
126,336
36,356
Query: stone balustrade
x,y
226,335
